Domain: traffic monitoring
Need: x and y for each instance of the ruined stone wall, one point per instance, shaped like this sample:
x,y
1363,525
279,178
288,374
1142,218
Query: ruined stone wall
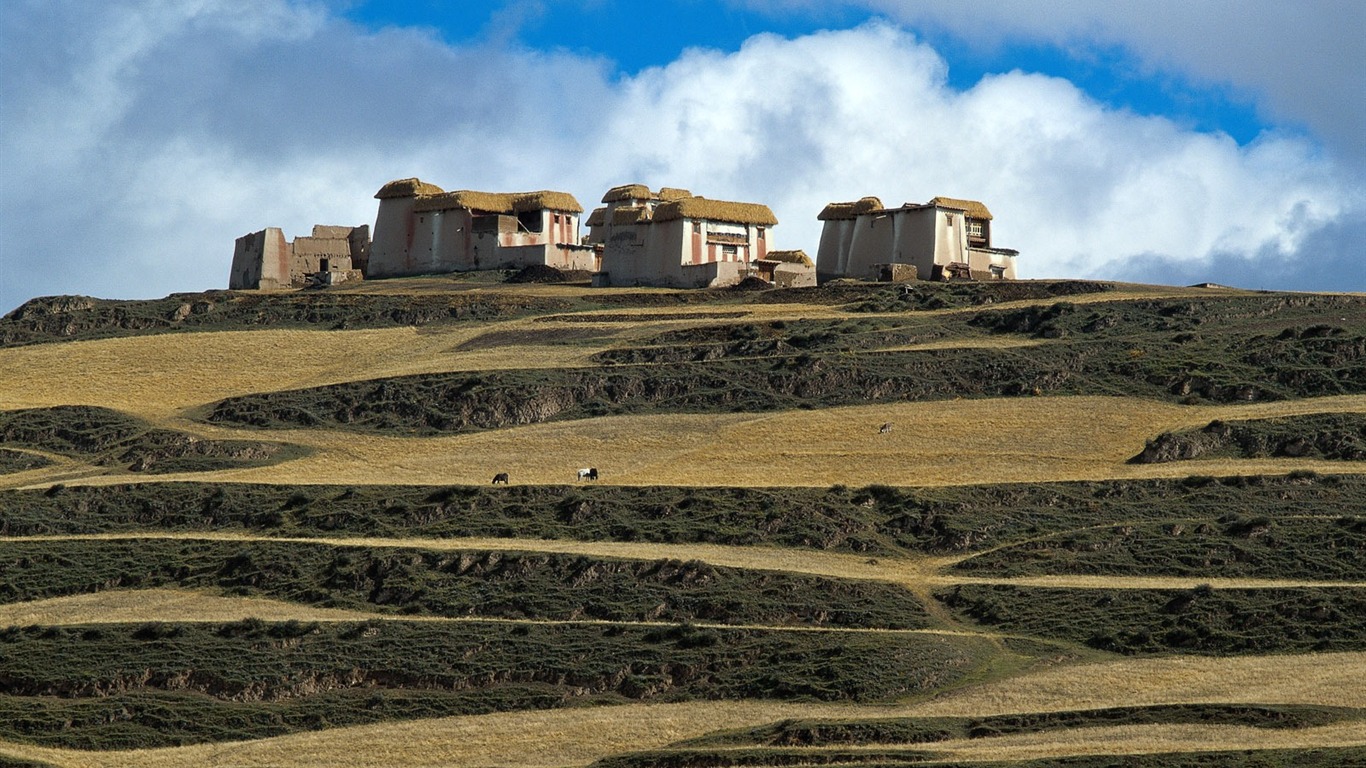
x,y
265,260
359,240
311,254
261,260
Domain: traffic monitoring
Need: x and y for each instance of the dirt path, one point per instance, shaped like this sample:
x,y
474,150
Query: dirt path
x,y
579,736
916,574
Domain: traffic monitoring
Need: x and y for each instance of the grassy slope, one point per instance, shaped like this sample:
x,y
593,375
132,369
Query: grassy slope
x,y
657,353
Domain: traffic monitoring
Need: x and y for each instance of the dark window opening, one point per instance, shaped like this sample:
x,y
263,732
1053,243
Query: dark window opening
x,y
530,221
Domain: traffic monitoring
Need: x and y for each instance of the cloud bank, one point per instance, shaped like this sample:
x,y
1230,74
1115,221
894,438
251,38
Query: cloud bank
x,y
142,138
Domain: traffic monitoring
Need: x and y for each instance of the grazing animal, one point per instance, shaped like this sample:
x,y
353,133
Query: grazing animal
x,y
885,428
588,473
501,477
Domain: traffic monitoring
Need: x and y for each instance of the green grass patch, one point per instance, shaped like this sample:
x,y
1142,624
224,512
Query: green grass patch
x,y
512,585
20,461
923,730
72,318
447,403
119,686
14,762
1339,757
1246,348
1331,436
925,295
876,520
779,338
109,438
1231,546
1190,621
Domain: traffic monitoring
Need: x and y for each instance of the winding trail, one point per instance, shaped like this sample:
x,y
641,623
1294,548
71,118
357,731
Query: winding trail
x,y
916,574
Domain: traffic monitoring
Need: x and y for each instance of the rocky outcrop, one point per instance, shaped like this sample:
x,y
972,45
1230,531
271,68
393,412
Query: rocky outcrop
x,y
1339,437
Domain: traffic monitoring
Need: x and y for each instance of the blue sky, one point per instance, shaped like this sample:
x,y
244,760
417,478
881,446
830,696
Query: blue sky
x,y
1156,141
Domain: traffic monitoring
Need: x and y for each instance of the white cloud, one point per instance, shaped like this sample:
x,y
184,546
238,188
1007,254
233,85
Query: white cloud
x,y
1074,185
1300,62
140,141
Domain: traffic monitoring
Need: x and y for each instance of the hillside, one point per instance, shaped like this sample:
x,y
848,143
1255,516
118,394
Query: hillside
x,y
1026,523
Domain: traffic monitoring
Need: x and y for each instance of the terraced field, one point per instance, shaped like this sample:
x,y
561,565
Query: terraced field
x,y
1101,520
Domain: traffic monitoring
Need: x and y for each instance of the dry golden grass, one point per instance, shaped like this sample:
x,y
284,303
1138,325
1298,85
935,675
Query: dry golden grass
x,y
521,739
156,377
1327,679
933,443
980,342
121,606
576,737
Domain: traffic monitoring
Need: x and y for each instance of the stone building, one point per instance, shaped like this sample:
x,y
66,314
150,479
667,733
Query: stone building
x,y
331,254
421,229
942,239
673,238
787,269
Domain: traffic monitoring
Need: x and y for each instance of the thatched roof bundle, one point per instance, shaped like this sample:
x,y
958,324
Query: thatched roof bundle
x,y
975,210
715,210
673,193
464,199
499,202
597,218
407,188
546,199
631,215
627,192
850,210
790,257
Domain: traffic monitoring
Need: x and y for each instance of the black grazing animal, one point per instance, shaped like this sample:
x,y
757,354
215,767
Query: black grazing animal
x,y
501,477
588,473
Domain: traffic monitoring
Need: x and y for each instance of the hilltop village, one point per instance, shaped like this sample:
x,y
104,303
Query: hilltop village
x,y
638,237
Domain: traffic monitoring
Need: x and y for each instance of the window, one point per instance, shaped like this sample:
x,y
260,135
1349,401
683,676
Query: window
x,y
697,227
974,228
529,221
948,220
761,233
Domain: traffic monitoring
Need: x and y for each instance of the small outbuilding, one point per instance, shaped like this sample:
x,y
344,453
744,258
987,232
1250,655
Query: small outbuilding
x,y
330,255
787,269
